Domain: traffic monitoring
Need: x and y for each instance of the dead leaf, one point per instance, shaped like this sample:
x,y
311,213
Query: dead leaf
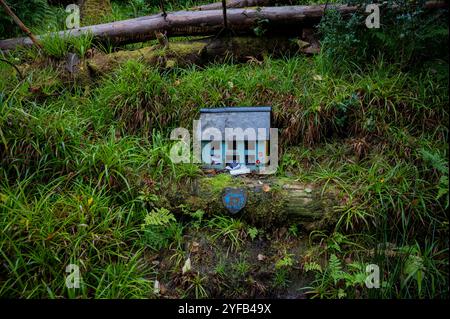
x,y
302,44
317,77
187,266
162,289
195,247
156,287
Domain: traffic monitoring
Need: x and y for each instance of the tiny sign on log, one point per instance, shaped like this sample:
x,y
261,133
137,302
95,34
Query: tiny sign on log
x,y
234,199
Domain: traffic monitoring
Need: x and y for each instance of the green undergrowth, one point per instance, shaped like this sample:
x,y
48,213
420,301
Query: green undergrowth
x,y
86,174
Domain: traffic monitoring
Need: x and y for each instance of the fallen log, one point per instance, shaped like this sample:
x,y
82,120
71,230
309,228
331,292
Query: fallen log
x,y
286,20
181,54
270,201
280,20
197,52
241,4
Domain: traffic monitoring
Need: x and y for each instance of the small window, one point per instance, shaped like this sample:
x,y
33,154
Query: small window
x,y
250,159
215,147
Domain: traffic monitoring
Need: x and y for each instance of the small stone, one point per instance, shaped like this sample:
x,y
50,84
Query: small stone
x,y
72,61
308,190
261,257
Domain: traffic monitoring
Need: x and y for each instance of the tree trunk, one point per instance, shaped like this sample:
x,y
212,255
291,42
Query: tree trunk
x,y
268,20
241,4
272,20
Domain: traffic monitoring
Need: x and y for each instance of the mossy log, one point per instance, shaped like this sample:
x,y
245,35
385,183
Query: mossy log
x,y
271,201
177,54
198,52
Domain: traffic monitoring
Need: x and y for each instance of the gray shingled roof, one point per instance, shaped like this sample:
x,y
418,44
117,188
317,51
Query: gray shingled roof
x,y
236,117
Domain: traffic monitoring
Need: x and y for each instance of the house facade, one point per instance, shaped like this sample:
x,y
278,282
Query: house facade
x,y
235,136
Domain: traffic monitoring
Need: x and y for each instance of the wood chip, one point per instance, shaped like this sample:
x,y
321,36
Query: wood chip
x,y
261,257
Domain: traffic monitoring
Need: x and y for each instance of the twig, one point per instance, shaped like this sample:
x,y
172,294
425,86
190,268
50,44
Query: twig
x,y
164,13
20,23
224,8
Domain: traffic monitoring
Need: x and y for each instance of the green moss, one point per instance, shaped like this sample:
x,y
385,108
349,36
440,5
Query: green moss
x,y
95,11
217,183
265,210
183,48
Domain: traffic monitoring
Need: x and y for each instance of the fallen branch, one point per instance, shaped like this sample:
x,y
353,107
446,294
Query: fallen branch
x,y
20,23
239,4
281,20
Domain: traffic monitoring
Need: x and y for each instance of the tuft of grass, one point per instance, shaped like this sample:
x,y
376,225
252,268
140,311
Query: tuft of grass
x,y
229,229
58,46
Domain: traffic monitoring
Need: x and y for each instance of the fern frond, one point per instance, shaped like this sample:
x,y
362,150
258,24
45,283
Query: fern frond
x,y
312,266
158,217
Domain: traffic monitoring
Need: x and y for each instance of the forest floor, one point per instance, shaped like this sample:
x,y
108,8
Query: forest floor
x,y
86,178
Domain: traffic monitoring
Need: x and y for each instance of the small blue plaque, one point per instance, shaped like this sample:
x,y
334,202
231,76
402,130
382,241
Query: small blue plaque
x,y
234,199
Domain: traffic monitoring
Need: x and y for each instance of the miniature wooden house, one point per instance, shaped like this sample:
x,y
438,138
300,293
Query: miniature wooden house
x,y
235,137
